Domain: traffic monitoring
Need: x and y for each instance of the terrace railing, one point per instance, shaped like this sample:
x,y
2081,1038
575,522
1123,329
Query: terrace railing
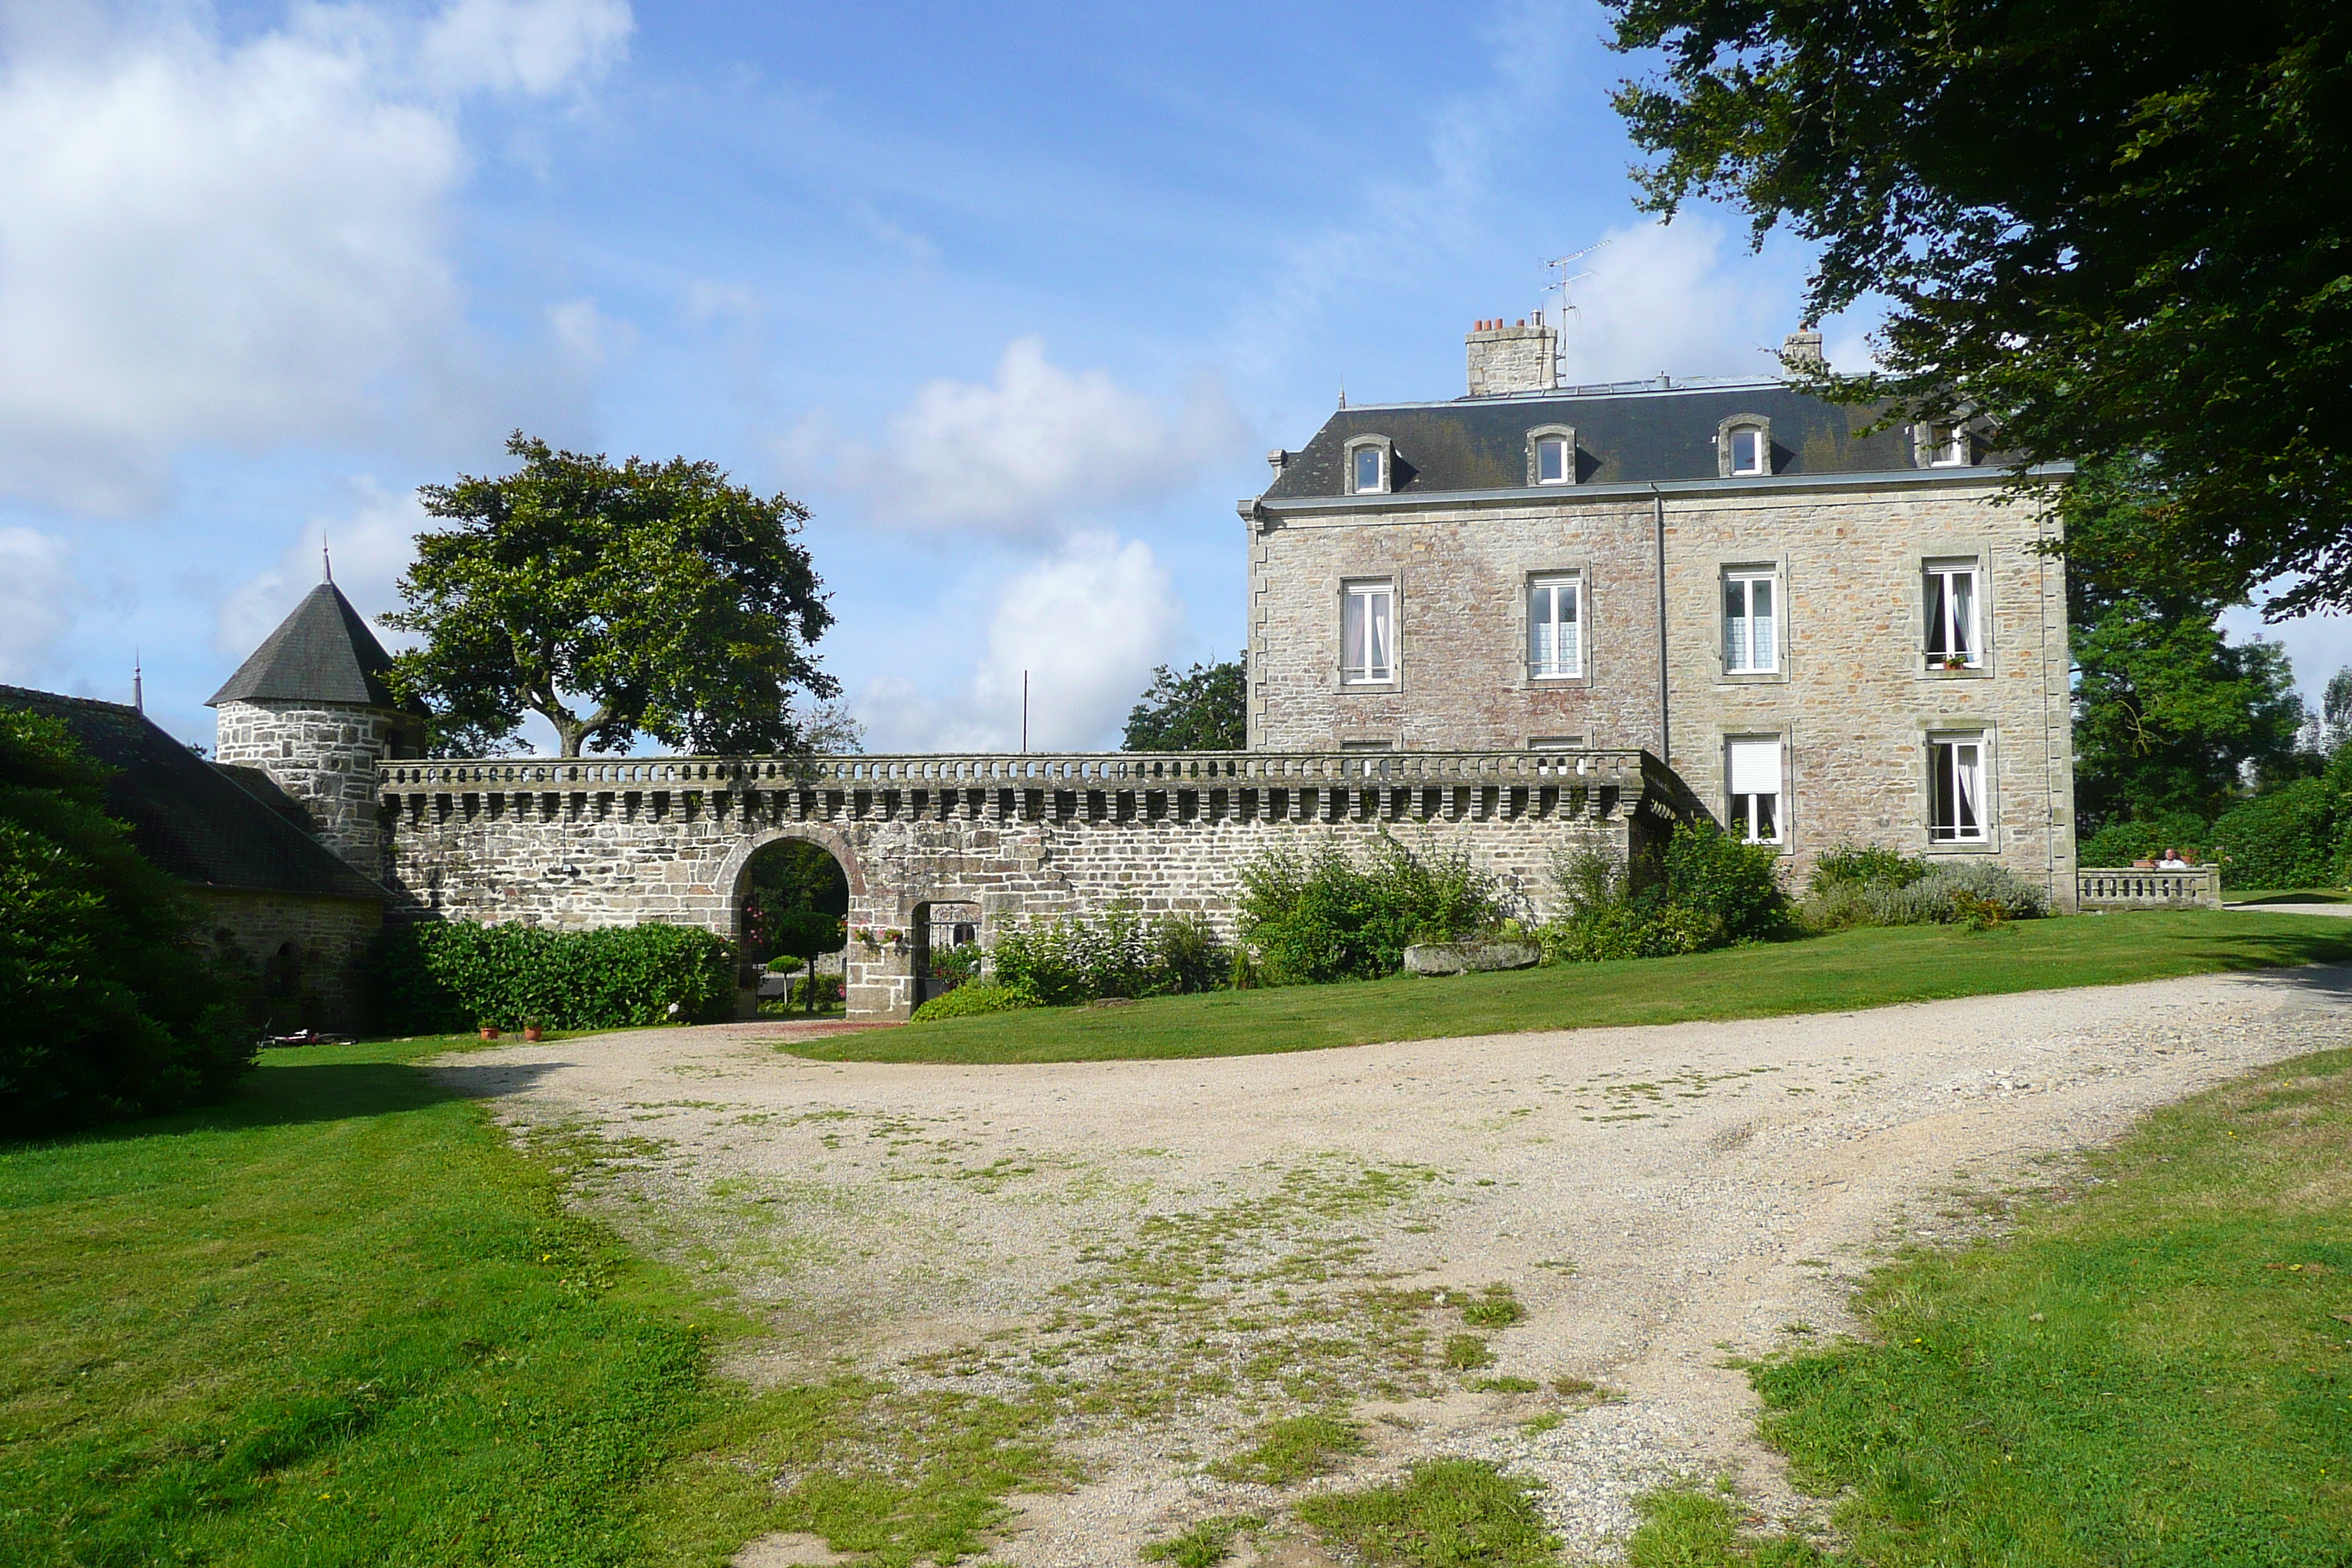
x,y
2130,887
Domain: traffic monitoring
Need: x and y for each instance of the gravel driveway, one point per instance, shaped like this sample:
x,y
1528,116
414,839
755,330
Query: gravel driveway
x,y
1196,1245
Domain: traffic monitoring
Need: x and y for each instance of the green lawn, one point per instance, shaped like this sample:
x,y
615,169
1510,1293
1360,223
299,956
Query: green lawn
x,y
2286,896
1867,968
338,1319
2153,1368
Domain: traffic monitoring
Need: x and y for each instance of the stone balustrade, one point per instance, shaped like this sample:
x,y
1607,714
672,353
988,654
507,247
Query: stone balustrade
x,y
2129,887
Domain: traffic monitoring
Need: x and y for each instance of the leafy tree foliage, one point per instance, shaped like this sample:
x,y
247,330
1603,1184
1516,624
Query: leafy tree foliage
x,y
1202,710
2167,712
795,904
611,600
2108,229
111,1009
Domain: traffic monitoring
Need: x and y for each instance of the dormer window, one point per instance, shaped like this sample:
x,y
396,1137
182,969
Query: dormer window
x,y
1947,446
1743,446
1368,466
1551,455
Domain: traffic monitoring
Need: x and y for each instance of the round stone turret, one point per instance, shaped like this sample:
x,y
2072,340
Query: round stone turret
x,y
312,710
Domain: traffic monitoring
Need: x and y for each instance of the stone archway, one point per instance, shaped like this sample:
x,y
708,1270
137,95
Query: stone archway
x,y
782,927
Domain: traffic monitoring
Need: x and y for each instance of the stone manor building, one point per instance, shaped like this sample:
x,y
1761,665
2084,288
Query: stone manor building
x,y
1831,635
1520,622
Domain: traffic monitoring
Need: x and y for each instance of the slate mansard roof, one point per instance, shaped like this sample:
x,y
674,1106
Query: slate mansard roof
x,y
1656,435
324,652
201,825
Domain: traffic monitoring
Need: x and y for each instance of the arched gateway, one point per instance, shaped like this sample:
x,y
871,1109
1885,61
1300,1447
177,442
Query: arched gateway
x,y
590,842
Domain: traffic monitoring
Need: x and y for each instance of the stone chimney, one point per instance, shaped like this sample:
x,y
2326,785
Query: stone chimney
x,y
1801,349
1504,357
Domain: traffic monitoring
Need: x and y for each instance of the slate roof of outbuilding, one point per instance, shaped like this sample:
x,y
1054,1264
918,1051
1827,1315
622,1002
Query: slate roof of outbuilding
x,y
1623,436
324,652
194,820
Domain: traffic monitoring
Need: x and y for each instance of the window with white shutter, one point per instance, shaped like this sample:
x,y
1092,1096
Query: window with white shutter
x,y
1754,775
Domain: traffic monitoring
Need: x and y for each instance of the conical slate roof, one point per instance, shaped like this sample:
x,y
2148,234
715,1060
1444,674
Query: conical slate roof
x,y
324,652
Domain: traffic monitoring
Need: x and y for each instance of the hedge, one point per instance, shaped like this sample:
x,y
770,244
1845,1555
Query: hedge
x,y
437,977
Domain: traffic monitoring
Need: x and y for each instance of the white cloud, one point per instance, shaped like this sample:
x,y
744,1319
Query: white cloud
x,y
244,244
1088,624
1016,456
1683,299
372,544
526,46
38,589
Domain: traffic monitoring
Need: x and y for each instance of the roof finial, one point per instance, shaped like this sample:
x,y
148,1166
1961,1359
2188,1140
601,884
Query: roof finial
x,y
1343,394
326,556
138,684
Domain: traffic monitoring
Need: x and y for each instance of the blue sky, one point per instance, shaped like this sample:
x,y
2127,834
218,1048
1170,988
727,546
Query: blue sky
x,y
1015,298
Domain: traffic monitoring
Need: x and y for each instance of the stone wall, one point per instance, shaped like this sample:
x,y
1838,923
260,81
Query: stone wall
x,y
674,843
302,953
326,757
1461,574
1853,700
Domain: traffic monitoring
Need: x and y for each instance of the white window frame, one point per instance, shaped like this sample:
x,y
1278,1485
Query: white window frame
x,y
1959,787
1939,616
1740,646
1548,584
1947,446
1758,462
1359,598
1543,435
1386,451
1746,814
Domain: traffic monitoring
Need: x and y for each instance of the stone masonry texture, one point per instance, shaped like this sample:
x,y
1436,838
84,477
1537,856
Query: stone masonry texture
x,y
302,955
573,858
325,757
1852,702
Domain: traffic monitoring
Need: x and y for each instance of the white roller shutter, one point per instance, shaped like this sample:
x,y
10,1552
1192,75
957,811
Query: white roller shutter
x,y
1756,767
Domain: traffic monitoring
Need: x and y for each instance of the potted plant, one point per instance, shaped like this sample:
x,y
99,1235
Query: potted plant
x,y
532,1031
488,1027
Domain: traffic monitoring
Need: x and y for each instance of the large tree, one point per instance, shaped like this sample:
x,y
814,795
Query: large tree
x,y
610,600
2105,229
1202,710
2169,714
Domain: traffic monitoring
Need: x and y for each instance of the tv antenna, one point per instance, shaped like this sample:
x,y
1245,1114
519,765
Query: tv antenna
x,y
1564,277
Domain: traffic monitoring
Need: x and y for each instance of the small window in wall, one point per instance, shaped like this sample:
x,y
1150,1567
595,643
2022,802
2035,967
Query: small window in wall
x,y
1754,776
1368,472
1555,464
1751,622
1947,446
1956,789
1749,453
1367,634
1555,629
1951,600
1556,744
1368,745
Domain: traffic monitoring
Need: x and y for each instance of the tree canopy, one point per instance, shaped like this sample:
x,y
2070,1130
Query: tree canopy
x,y
2107,229
1204,709
653,598
2168,713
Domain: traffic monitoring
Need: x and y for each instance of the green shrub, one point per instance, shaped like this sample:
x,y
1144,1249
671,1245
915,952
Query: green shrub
x,y
968,1001
1711,890
2284,838
1317,917
1711,873
436,976
1065,961
1976,893
2121,843
1857,865
804,933
111,1011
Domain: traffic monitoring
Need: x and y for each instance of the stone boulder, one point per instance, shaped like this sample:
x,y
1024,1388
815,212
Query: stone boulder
x,y
1463,957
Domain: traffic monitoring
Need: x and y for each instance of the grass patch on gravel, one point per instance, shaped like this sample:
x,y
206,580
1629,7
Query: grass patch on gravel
x,y
1447,1513
1293,1448
1851,970
2155,1368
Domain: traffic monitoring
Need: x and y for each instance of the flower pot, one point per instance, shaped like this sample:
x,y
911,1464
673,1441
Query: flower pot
x,y
489,1034
533,1033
